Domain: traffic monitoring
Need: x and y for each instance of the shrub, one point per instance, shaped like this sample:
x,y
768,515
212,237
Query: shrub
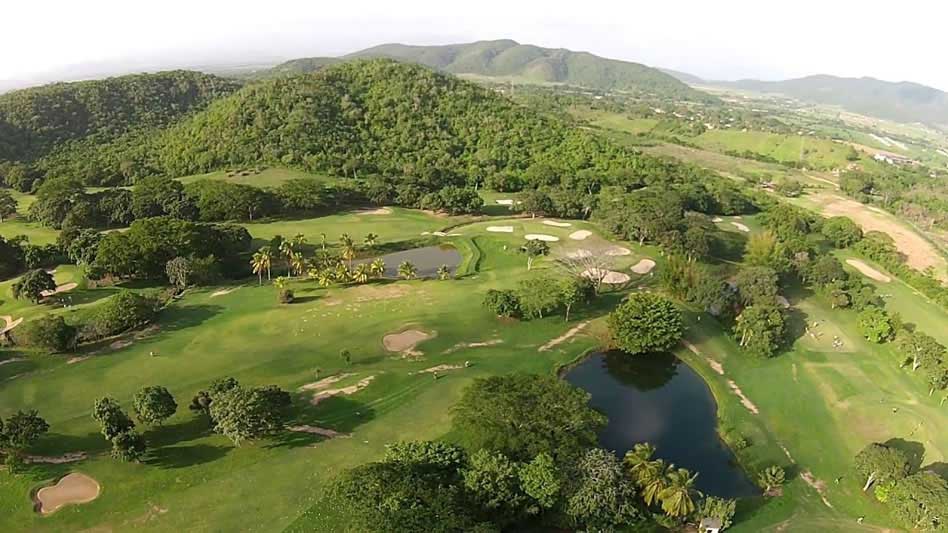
x,y
503,303
286,296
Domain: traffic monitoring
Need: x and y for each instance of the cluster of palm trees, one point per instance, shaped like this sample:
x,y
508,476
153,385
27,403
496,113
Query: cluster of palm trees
x,y
328,268
662,483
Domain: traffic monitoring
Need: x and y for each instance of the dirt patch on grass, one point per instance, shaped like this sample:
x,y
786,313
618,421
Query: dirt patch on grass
x,y
582,253
322,432
745,401
9,323
644,266
572,332
378,211
343,391
405,341
223,292
868,271
66,287
818,485
56,459
500,229
610,278
540,237
370,293
716,366
74,488
556,224
920,254
617,251
741,227
580,235
440,368
505,201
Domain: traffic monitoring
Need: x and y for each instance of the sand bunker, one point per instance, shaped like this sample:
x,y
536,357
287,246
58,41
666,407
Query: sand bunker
x,y
783,302
222,292
62,288
500,229
745,401
741,227
440,368
540,237
344,391
580,235
610,278
868,271
405,341
617,251
315,430
466,345
643,267
582,253
717,219
379,211
57,459
9,323
505,201
817,484
564,337
74,488
325,382
557,224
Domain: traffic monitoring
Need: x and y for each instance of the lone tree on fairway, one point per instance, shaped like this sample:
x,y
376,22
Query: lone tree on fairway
x,y
645,322
18,433
129,447
538,296
772,477
575,291
534,249
32,285
111,418
153,405
503,303
880,463
761,329
245,414
875,324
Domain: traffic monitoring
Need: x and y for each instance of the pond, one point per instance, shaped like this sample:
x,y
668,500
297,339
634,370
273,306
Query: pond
x,y
427,260
656,398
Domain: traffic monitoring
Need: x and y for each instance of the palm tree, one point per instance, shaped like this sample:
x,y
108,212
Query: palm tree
x,y
299,240
653,479
341,273
444,272
348,248
377,267
371,240
286,248
637,459
261,261
678,498
298,263
407,270
322,238
325,277
361,273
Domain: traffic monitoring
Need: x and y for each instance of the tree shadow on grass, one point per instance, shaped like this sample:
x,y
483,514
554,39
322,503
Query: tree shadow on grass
x,y
184,317
939,468
185,456
914,450
53,444
304,299
338,413
195,427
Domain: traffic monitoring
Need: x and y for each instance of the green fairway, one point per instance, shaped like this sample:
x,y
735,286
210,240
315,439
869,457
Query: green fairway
x,y
12,227
268,177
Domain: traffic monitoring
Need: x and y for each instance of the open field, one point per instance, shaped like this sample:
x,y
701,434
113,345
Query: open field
x,y
37,233
196,480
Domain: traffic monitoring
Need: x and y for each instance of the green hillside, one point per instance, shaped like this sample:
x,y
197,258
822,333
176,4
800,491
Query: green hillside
x,y
522,62
297,66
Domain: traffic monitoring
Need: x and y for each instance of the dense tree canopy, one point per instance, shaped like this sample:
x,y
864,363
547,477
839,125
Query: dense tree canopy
x,y
645,322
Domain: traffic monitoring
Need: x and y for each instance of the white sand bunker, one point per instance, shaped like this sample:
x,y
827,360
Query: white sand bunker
x,y
500,229
9,323
745,401
440,368
379,211
540,237
62,288
505,201
315,430
741,227
557,224
223,292
74,488
405,341
868,271
582,253
717,220
643,267
610,278
342,391
325,382
616,251
580,235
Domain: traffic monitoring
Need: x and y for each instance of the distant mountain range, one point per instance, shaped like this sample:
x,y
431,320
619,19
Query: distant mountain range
x,y
506,59
898,101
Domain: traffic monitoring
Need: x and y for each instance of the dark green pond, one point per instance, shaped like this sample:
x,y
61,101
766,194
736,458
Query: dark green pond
x,y
659,399
427,260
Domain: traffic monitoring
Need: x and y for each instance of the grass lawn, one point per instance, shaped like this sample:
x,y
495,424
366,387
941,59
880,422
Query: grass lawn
x,y
817,406
268,177
37,233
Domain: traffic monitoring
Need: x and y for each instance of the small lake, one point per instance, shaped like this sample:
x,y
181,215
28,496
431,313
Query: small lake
x,y
427,260
657,398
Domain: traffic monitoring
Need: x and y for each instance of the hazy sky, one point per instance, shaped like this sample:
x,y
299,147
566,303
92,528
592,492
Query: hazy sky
x,y
902,40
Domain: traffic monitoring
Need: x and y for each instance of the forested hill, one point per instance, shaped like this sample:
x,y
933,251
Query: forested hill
x,y
35,121
377,116
527,63
898,101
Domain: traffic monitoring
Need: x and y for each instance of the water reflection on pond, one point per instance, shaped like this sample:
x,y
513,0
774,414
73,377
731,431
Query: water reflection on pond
x,y
427,260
